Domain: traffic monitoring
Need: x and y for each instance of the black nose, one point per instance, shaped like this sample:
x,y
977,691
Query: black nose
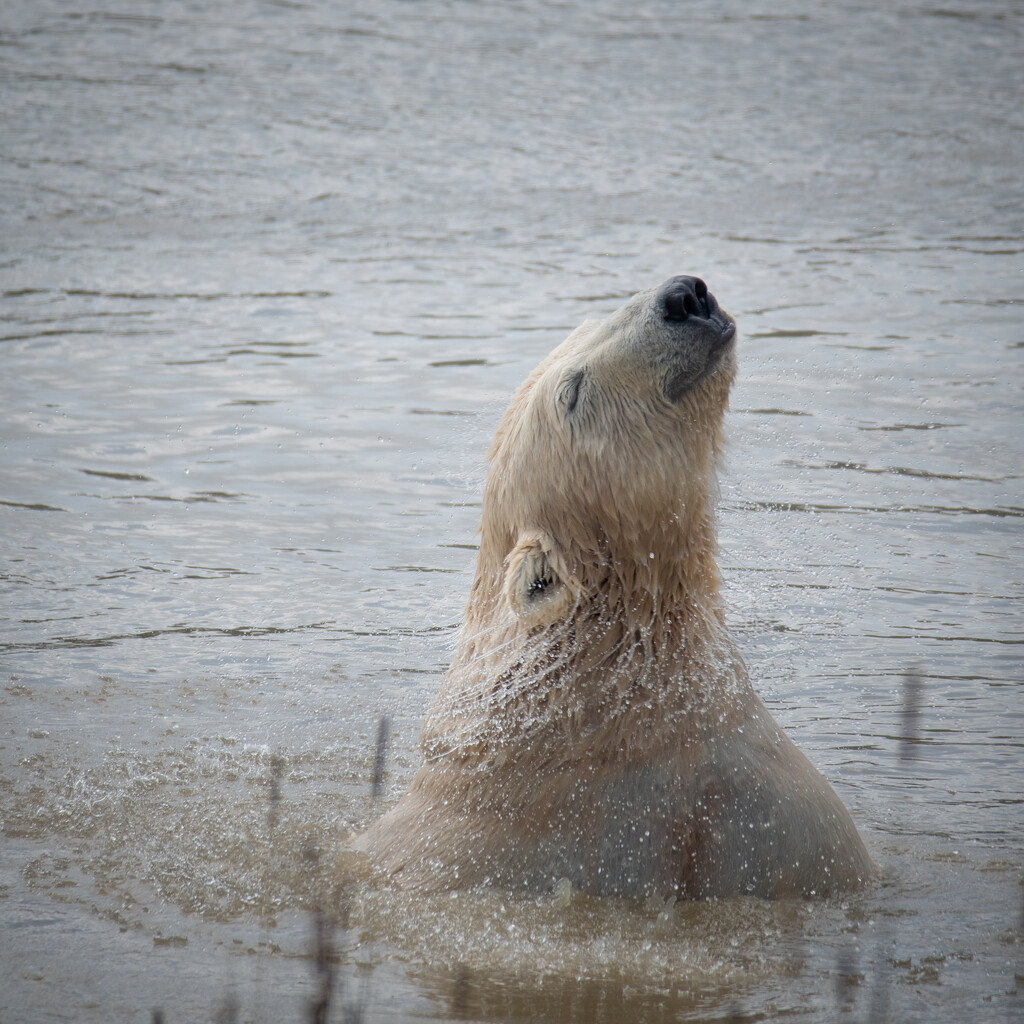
x,y
683,297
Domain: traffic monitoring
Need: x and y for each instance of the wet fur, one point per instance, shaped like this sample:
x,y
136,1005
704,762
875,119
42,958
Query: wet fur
x,y
597,722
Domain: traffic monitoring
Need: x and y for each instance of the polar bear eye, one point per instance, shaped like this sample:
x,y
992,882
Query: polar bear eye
x,y
569,393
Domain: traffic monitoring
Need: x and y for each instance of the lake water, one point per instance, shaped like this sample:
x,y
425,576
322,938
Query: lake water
x,y
269,273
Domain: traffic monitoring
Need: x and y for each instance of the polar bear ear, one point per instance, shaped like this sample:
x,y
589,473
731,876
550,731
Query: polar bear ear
x,y
538,586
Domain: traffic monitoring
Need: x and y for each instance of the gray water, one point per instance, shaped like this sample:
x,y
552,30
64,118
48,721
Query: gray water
x,y
269,273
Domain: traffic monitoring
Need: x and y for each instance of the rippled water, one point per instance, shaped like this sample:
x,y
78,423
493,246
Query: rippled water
x,y
269,272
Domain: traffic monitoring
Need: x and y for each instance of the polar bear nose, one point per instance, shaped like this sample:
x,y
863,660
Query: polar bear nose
x,y
683,297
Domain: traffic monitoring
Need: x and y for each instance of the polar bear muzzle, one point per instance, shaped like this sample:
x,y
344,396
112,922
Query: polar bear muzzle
x,y
701,328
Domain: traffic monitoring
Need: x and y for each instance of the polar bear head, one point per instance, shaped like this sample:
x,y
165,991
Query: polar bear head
x,y
606,455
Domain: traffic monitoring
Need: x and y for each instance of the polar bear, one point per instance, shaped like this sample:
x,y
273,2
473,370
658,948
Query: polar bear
x,y
597,723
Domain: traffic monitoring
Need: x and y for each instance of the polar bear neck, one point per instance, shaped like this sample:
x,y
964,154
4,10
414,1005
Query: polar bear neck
x,y
617,673
642,642
656,588
648,552
645,643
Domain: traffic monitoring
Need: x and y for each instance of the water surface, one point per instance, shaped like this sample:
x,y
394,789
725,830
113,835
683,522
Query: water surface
x,y
269,273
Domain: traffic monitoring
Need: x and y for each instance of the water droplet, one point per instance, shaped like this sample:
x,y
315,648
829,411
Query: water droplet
x,y
562,895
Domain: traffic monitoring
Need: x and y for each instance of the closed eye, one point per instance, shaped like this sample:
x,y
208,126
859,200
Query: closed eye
x,y
569,393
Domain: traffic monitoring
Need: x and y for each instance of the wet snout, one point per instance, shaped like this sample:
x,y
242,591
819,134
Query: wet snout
x,y
686,298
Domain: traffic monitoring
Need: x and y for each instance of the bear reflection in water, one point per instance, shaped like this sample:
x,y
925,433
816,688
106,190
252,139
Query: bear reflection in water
x,y
597,723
